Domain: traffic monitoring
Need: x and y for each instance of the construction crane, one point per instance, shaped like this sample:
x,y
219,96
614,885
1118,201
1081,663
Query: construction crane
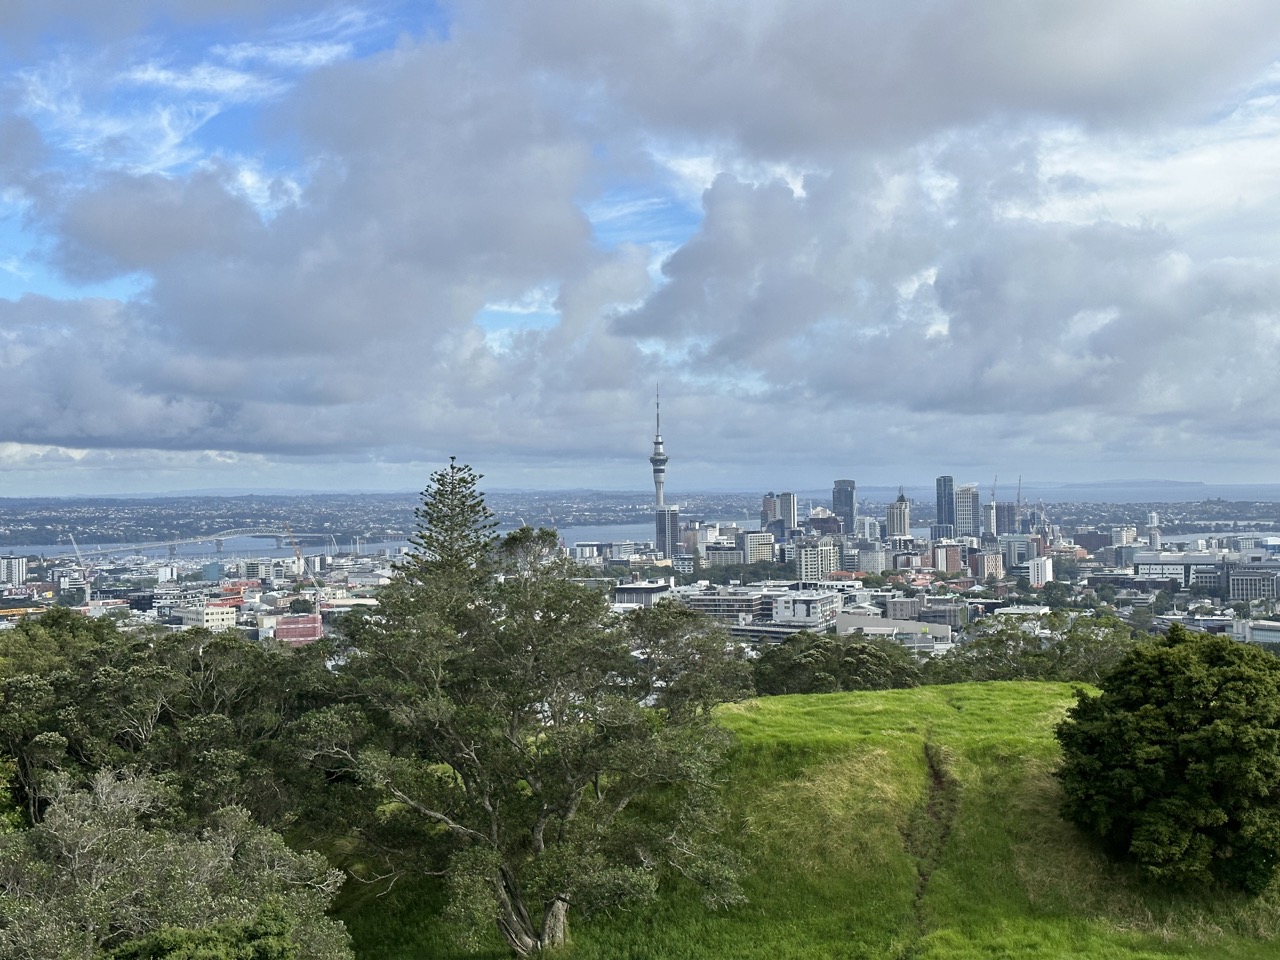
x,y
300,570
86,571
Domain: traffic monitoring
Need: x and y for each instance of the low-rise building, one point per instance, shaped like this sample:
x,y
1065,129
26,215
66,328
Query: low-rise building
x,y
211,616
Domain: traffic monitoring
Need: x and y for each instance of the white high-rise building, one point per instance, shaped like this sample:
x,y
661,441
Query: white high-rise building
x,y
1039,571
755,546
968,511
898,517
13,570
816,557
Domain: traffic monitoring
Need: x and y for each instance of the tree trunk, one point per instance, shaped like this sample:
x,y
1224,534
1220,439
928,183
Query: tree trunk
x,y
555,925
513,918
517,927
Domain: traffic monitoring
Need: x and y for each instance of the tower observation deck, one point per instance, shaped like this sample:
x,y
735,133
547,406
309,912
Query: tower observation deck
x,y
659,457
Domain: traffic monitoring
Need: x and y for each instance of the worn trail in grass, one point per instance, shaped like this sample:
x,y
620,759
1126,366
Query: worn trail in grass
x,y
915,824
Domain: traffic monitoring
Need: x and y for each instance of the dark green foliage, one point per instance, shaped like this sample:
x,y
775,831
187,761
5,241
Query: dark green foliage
x,y
1060,646
110,864
743,572
266,937
1057,594
1176,764
557,756
52,641
820,663
211,713
453,545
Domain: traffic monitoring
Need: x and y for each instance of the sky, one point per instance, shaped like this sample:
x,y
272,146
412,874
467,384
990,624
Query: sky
x,y
274,244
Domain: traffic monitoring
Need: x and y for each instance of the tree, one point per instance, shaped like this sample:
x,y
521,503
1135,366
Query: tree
x,y
266,937
1059,646
560,758
817,663
1176,764
107,867
1058,594
209,712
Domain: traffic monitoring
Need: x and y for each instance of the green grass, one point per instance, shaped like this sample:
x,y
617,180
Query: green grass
x,y
858,847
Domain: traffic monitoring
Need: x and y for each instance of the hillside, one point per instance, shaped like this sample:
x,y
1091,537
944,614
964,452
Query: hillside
x,y
913,823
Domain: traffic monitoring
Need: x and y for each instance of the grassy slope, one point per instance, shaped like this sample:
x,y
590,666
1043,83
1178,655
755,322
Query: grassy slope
x,y
864,842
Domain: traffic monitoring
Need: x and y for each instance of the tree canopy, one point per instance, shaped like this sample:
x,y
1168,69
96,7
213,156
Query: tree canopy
x,y
1176,764
1060,646
561,757
108,868
820,663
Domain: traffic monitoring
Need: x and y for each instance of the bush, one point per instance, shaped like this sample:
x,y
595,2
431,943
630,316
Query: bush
x,y
1176,765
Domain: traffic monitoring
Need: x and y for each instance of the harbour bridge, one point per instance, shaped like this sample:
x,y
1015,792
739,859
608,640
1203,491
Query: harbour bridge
x,y
283,537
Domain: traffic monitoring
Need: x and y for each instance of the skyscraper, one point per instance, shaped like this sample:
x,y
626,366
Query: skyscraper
x,y
844,502
666,519
968,511
667,541
768,509
946,501
788,510
1006,517
898,517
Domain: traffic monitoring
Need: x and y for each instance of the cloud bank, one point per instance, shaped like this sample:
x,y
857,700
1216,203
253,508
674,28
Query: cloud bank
x,y
249,243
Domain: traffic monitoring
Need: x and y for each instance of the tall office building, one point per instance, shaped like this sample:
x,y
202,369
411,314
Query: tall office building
x,y
844,502
945,487
667,541
666,519
968,511
768,509
788,511
1006,517
898,517
990,527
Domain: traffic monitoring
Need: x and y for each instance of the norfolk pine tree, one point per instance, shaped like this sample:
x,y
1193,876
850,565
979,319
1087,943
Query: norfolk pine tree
x,y
558,769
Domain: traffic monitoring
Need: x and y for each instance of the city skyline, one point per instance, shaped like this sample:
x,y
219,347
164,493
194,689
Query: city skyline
x,y
284,246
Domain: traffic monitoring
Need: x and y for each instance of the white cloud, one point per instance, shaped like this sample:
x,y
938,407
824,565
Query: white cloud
x,y
204,79
289,56
873,234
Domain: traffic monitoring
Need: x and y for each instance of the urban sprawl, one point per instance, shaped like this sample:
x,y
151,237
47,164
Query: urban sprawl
x,y
839,568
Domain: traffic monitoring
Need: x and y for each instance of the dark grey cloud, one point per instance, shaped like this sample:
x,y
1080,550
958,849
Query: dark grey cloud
x,y
809,77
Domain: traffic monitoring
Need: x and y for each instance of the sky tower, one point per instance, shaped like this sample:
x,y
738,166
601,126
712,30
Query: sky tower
x,y
667,519
659,458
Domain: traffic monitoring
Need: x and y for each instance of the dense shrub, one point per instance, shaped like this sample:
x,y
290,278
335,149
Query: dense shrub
x,y
1176,765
